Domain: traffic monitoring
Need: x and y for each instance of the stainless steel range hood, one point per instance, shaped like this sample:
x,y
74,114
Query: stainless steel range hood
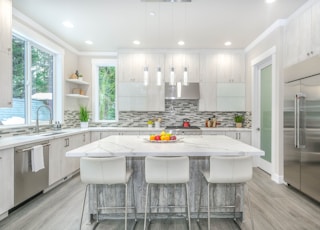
x,y
180,91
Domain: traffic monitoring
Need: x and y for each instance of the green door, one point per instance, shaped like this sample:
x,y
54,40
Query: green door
x,y
265,111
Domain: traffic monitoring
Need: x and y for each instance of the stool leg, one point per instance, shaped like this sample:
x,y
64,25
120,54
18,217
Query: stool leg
x,y
145,209
208,206
126,208
84,202
134,201
188,207
249,204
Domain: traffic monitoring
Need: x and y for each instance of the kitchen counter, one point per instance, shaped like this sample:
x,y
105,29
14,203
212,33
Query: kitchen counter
x,y
9,142
189,145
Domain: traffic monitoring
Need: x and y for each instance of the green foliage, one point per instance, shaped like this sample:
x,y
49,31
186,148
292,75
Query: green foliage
x,y
107,92
84,114
238,118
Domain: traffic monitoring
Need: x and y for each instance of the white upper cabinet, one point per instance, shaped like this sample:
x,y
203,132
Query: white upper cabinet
x,y
181,61
6,52
230,66
131,66
303,36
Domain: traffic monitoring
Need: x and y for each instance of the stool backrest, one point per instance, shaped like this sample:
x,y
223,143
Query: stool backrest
x,y
167,170
230,169
111,170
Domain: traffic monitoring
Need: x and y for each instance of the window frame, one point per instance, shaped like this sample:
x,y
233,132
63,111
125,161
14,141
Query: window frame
x,y
96,63
30,36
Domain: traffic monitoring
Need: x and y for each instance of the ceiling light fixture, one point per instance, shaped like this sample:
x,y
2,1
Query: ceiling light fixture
x,y
165,0
152,13
270,1
136,42
228,43
181,43
68,24
89,42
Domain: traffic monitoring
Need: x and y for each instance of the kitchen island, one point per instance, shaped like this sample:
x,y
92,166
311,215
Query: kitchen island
x,y
198,147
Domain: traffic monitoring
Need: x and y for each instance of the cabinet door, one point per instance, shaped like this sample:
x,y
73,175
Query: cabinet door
x,y
56,155
125,68
208,96
6,53
6,79
305,46
6,179
243,136
315,28
230,67
5,25
291,44
208,70
192,62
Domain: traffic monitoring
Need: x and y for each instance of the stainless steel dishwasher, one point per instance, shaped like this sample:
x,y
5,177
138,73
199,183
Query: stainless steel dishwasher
x,y
26,182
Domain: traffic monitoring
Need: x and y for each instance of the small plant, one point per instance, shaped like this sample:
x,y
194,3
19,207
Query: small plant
x,y
84,114
149,122
238,118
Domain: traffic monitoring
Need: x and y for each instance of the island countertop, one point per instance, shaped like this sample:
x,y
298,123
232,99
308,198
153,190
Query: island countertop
x,y
189,145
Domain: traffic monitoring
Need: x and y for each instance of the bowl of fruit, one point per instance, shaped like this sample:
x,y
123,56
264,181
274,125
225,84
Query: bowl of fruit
x,y
163,137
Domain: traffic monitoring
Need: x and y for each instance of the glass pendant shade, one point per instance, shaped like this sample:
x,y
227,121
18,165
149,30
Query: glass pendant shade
x,y
172,79
179,89
185,76
145,76
159,77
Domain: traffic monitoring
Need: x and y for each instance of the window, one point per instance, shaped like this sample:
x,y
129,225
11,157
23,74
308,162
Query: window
x,y
104,72
33,71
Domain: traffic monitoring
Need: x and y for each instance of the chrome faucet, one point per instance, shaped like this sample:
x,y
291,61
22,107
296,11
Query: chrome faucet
x,y
37,122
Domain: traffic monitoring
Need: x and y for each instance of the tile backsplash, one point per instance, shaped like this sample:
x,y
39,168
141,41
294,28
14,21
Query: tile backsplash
x,y
175,112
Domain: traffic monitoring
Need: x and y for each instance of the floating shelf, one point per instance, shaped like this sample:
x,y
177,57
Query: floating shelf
x,y
76,81
77,96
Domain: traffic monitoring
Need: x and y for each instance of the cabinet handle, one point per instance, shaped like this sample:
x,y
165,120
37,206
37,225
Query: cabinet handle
x,y
66,142
308,54
311,52
0,158
239,136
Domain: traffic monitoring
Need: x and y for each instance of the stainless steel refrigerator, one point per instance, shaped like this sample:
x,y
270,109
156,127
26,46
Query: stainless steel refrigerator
x,y
302,135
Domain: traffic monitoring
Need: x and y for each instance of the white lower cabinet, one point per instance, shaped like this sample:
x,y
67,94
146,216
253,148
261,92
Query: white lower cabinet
x,y
61,166
97,135
6,180
243,136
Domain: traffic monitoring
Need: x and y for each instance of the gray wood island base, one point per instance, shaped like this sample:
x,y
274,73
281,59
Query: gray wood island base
x,y
199,149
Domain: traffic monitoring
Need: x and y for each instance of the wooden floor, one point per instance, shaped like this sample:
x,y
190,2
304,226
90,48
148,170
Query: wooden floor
x,y
274,206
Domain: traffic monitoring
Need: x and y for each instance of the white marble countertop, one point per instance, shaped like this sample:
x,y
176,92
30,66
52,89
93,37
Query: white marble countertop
x,y
190,145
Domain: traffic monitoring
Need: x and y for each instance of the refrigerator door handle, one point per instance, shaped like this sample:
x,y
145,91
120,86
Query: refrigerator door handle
x,y
298,97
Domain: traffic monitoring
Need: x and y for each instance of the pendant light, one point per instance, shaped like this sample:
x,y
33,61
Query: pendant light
x,y
159,75
185,72
145,76
145,70
172,80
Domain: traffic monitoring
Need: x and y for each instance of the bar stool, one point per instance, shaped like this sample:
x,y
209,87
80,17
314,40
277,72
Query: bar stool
x,y
228,170
106,171
167,170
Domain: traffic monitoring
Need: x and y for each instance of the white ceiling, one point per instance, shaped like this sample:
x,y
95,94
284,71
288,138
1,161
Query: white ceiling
x,y
114,24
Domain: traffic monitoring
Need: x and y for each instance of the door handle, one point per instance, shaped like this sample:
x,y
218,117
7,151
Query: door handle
x,y
258,129
298,97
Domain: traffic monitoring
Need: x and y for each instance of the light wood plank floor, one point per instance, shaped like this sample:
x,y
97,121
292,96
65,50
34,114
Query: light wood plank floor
x,y
275,207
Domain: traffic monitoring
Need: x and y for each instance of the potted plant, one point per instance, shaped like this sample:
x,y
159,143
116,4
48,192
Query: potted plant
x,y
238,120
150,123
84,117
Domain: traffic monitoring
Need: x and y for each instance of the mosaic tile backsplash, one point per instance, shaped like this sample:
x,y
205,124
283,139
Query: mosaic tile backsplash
x,y
175,112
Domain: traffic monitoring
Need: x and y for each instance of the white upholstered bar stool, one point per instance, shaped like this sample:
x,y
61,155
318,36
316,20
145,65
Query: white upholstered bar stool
x,y
228,170
106,171
167,170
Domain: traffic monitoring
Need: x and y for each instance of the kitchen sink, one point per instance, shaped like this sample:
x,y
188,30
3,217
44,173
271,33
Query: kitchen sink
x,y
52,134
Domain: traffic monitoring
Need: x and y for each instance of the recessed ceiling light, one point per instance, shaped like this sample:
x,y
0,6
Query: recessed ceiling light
x,y
180,43
68,24
152,13
228,43
270,1
136,42
89,42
